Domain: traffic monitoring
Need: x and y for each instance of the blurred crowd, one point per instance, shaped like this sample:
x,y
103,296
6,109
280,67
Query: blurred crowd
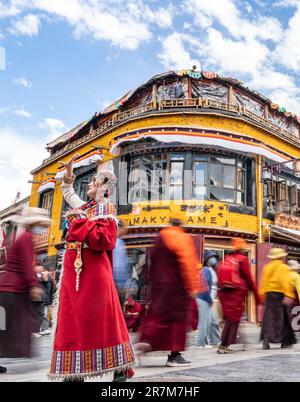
x,y
184,293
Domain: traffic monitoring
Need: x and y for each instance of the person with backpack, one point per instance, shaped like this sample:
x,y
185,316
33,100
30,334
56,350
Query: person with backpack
x,y
235,281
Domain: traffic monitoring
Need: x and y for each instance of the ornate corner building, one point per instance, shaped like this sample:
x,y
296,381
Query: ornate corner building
x,y
194,142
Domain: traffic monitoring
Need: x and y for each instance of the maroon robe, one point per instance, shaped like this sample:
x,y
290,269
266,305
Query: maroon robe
x,y
15,284
166,323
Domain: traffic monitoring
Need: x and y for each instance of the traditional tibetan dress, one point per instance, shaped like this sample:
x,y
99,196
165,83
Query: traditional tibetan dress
x,y
90,334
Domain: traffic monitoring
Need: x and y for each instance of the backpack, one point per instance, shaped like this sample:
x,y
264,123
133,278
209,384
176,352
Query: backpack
x,y
229,274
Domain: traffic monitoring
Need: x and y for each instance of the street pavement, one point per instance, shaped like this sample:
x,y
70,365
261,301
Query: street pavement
x,y
250,365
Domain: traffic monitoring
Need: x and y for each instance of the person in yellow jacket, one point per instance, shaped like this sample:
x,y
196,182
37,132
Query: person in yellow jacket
x,y
294,267
276,289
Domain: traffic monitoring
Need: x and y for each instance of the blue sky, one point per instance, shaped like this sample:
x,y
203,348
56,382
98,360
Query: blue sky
x,y
66,59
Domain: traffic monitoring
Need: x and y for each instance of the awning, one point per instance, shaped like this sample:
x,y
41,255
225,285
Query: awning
x,y
47,185
196,135
285,234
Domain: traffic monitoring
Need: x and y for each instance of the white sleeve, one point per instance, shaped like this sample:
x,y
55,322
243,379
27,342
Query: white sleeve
x,y
70,196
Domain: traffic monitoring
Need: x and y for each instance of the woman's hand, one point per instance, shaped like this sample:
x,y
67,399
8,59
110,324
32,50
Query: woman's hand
x,y
69,165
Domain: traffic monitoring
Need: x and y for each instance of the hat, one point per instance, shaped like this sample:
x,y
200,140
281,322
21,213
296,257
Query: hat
x,y
106,171
32,215
238,243
294,265
11,219
208,254
276,253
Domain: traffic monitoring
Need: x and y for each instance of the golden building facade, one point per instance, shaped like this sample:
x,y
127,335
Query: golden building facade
x,y
195,142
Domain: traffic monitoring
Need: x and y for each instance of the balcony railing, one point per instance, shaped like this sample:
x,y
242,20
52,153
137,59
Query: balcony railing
x,y
198,103
41,240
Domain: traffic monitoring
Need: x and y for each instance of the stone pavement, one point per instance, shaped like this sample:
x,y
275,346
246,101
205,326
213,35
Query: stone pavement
x,y
252,365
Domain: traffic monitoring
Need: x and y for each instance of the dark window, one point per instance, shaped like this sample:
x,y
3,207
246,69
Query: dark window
x,y
46,200
162,177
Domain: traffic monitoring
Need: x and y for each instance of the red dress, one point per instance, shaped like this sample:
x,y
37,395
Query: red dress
x,y
91,337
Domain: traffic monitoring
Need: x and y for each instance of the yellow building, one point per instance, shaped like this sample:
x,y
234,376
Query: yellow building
x,y
199,143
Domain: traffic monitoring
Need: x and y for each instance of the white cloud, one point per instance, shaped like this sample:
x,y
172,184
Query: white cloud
x,y
174,54
22,113
221,51
288,50
289,98
22,81
18,156
29,25
11,10
162,17
110,20
226,13
55,128
124,23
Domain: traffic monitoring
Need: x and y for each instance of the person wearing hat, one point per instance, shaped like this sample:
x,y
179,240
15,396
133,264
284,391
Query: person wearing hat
x,y
208,327
174,280
232,294
277,291
19,285
90,334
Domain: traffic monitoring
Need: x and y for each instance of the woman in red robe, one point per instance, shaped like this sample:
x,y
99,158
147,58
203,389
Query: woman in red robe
x,y
91,337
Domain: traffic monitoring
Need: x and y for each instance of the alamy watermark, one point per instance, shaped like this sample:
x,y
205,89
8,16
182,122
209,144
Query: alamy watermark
x,y
296,318
2,319
2,59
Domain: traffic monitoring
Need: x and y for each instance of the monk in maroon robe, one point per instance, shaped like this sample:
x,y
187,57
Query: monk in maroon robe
x,y
174,279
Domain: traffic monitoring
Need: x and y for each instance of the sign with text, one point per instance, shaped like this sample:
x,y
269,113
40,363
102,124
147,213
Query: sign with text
x,y
192,213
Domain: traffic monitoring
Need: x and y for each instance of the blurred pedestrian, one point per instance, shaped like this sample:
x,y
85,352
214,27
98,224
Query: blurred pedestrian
x,y
120,263
133,313
294,267
19,286
48,285
235,281
208,326
38,305
174,279
91,338
277,292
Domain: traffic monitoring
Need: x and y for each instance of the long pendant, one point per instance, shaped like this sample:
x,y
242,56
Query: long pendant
x,y
78,264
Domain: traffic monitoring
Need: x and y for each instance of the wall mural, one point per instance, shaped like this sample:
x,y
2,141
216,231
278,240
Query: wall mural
x,y
141,98
249,103
212,91
174,90
284,123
